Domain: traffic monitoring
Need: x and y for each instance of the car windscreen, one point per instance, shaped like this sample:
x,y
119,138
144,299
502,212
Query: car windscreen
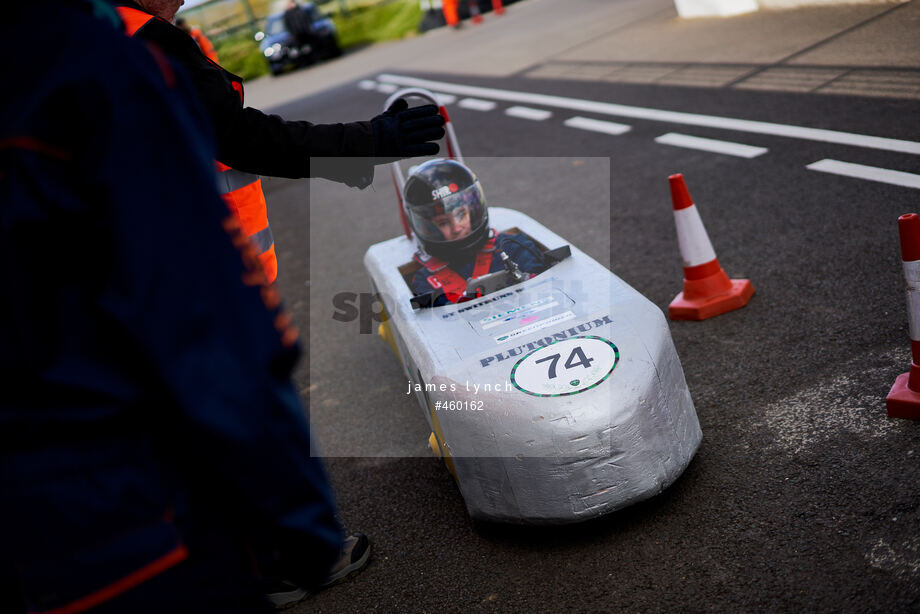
x,y
274,25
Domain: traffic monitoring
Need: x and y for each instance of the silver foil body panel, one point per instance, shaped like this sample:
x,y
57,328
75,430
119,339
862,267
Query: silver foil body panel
x,y
544,459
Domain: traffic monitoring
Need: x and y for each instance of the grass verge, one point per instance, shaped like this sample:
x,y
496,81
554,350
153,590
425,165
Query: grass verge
x,y
240,54
381,22
365,24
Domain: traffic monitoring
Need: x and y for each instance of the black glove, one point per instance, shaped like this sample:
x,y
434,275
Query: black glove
x,y
401,132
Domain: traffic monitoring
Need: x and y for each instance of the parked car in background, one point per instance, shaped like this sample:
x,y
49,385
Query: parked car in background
x,y
281,48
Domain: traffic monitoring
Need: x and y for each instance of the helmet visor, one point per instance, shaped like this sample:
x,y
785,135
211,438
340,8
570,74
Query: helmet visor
x,y
452,216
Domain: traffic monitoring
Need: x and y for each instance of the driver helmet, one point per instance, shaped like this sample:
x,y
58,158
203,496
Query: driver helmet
x,y
446,208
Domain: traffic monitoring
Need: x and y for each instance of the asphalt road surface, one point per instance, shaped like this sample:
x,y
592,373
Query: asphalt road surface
x,y
803,496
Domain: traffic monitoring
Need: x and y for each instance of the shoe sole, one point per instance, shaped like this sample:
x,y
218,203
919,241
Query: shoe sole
x,y
350,569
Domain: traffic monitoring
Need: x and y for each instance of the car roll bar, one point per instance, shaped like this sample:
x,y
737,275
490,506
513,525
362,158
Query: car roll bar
x,y
450,140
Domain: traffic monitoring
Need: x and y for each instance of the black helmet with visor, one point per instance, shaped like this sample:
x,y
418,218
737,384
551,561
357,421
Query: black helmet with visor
x,y
446,208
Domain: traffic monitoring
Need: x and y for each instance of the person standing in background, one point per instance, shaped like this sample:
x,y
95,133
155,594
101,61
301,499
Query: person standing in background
x,y
198,36
298,24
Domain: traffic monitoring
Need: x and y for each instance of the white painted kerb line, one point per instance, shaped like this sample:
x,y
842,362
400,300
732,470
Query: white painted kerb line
x,y
597,125
537,115
872,173
674,117
476,104
713,145
445,99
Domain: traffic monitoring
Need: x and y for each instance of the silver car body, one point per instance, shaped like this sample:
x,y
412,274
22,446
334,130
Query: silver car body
x,y
555,400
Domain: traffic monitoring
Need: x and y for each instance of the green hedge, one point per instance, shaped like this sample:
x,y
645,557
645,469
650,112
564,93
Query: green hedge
x,y
382,22
239,53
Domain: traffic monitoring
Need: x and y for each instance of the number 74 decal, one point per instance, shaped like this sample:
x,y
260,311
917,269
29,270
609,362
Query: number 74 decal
x,y
569,364
589,361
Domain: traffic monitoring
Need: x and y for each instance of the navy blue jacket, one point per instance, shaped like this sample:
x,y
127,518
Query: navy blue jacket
x,y
520,248
139,369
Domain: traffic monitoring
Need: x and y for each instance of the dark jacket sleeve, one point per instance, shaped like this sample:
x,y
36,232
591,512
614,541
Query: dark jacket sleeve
x,y
255,142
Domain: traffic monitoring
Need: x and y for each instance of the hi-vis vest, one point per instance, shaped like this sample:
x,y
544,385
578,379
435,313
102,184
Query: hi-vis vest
x,y
442,277
241,191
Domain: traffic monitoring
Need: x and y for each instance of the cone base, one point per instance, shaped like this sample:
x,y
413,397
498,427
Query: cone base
x,y
701,308
902,402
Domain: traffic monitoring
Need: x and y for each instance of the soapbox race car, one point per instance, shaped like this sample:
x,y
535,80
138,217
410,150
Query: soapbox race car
x,y
552,399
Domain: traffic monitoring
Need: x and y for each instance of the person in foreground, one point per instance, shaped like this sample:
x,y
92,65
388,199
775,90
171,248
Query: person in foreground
x,y
149,429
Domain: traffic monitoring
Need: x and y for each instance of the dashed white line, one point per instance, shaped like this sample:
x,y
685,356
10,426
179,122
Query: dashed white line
x,y
674,117
477,104
596,125
445,99
872,173
713,145
387,88
538,115
367,84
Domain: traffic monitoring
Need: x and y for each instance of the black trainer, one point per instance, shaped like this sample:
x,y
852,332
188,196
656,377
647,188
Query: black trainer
x,y
356,552
284,594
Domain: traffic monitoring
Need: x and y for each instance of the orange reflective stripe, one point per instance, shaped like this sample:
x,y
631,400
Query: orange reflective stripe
x,y
270,264
154,568
248,206
231,180
133,18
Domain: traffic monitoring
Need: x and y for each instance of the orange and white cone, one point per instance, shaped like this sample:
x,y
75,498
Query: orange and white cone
x,y
497,7
903,401
476,17
707,291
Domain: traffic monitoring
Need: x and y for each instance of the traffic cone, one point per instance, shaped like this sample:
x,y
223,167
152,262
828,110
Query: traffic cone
x,y
707,291
497,7
903,401
476,17
449,8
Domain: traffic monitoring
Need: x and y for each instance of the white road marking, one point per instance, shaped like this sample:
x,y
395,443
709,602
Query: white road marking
x,y
723,147
527,113
477,104
597,125
445,99
872,173
367,84
387,88
674,117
